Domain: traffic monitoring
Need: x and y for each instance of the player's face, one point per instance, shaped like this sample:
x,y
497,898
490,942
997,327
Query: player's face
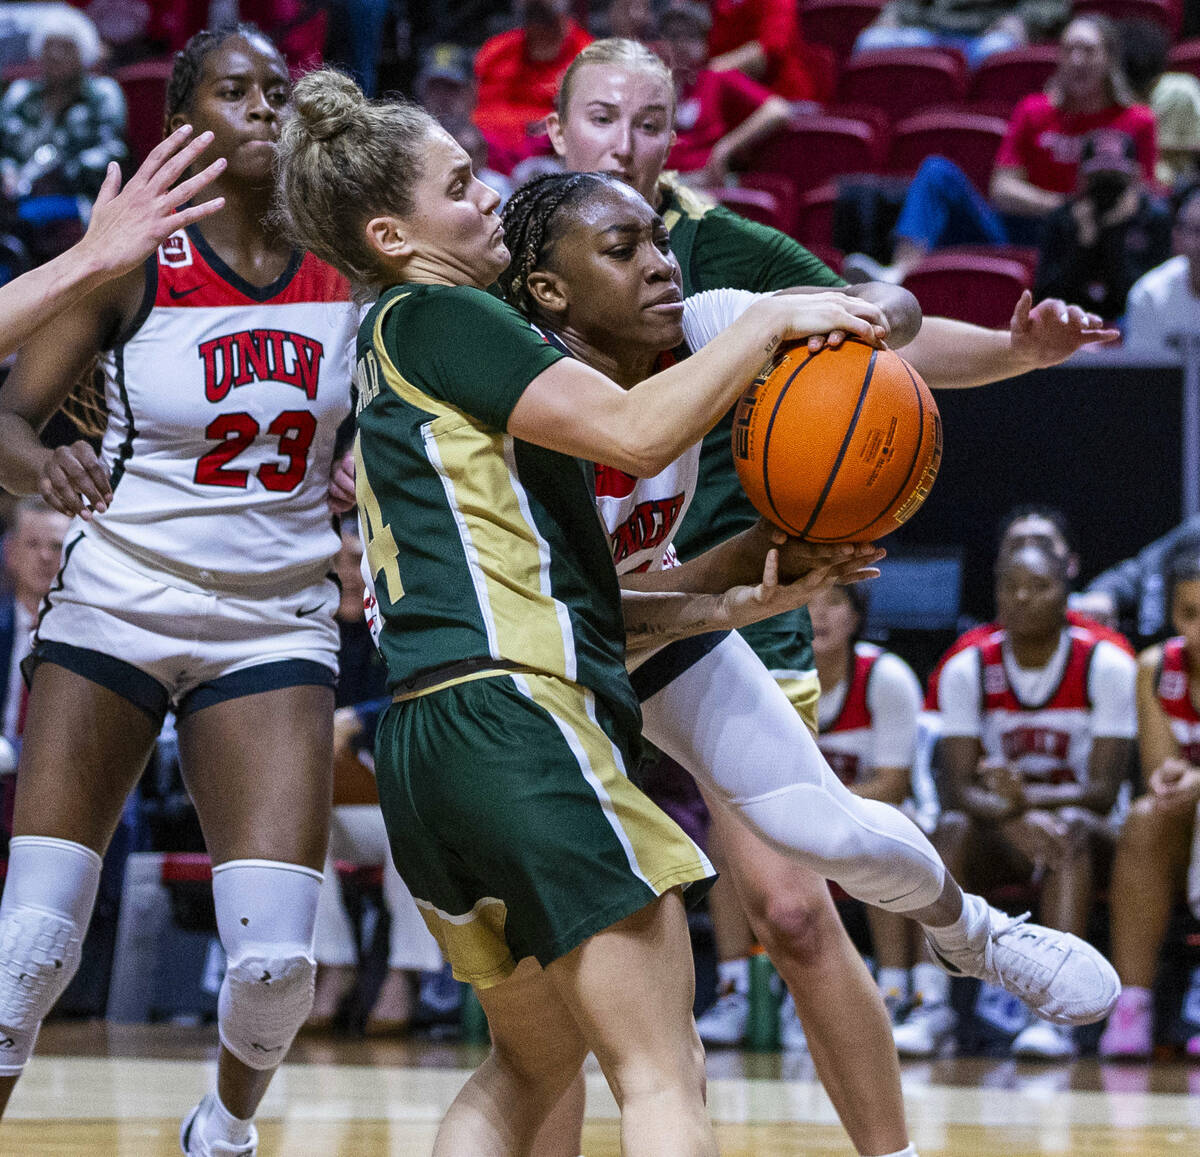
x,y
1185,617
240,97
619,122
619,277
32,552
1031,595
834,622
453,226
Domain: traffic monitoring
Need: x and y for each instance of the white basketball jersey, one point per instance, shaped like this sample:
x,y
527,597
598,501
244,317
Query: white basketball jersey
x,y
224,401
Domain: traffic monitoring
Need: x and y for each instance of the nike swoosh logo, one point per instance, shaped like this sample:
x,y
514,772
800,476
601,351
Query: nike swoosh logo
x,y
176,294
304,612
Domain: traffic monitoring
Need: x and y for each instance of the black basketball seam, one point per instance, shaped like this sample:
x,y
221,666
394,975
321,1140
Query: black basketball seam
x,y
767,439
837,465
916,453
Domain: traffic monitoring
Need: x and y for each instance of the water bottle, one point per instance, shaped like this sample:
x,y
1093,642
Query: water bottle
x,y
762,1025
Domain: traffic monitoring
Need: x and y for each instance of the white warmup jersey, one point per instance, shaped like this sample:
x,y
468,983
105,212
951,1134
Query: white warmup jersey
x,y
224,402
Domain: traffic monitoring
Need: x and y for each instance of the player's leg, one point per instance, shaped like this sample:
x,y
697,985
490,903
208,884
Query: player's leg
x,y
726,720
892,939
724,1022
84,747
849,1034
1149,871
259,768
536,1054
630,989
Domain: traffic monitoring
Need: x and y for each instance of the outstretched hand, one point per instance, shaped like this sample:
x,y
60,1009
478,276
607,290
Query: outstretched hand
x,y
1051,331
128,224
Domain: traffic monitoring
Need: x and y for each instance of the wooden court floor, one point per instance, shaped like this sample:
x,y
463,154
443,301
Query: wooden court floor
x,y
100,1089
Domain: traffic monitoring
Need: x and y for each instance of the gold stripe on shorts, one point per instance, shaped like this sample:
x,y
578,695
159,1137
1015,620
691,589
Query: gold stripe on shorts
x,y
473,942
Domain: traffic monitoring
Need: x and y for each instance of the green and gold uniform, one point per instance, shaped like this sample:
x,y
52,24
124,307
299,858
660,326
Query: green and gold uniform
x,y
501,764
718,249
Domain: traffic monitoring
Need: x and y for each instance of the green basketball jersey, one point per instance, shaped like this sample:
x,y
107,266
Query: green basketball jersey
x,y
485,551
719,249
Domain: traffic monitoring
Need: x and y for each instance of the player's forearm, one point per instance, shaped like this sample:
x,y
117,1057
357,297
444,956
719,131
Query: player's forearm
x,y
22,455
899,306
1098,798
1011,193
30,301
738,561
749,58
951,354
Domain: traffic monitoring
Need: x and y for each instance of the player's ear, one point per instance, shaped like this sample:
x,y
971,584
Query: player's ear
x,y
547,291
387,237
555,132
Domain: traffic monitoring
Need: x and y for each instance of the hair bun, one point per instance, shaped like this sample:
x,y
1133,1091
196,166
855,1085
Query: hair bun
x,y
327,102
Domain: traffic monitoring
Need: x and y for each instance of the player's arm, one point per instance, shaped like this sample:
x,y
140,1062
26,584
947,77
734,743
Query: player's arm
x,y
1107,766
894,700
70,478
576,410
1172,781
125,228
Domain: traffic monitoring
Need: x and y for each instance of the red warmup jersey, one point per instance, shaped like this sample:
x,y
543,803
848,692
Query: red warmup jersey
x,y
224,402
1050,741
1045,142
715,105
847,743
1175,698
774,25
976,635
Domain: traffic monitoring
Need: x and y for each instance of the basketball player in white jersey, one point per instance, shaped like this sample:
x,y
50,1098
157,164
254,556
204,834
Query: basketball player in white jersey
x,y
195,578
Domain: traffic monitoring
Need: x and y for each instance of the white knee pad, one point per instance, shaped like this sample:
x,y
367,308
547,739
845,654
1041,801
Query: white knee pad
x,y
48,899
265,915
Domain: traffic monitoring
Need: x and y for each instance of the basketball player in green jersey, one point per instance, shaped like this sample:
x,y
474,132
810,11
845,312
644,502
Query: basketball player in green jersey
x,y
550,882
614,114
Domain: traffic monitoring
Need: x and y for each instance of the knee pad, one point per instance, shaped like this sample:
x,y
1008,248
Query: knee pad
x,y
48,900
265,915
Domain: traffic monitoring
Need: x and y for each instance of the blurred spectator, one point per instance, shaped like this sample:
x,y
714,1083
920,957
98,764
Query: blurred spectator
x,y
32,555
717,113
1165,302
1156,853
357,834
1108,235
1037,729
518,74
58,133
977,28
1136,590
630,20
362,23
867,716
762,39
1037,165
124,26
1174,97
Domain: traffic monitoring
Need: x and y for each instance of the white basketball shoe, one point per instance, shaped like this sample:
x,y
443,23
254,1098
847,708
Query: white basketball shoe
x,y
194,1143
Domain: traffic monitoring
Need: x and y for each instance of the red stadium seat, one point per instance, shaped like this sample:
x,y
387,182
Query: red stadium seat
x,y
1026,255
1185,57
814,222
145,88
837,23
969,139
814,149
1159,11
970,287
901,81
756,204
782,188
1005,77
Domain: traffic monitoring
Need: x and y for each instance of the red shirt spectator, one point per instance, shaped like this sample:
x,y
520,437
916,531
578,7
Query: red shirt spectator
x,y
517,88
773,25
1044,141
707,109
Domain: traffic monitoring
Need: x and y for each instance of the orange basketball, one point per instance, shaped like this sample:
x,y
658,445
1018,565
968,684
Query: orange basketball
x,y
837,446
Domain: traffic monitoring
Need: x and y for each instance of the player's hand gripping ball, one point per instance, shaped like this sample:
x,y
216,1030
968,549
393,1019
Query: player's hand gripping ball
x,y
838,446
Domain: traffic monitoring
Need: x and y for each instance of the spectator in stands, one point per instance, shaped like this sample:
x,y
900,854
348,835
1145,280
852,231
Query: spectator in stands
x,y
1157,857
717,113
58,133
1037,728
1135,590
518,74
1174,98
1165,303
867,716
977,28
762,39
1037,165
357,834
1109,234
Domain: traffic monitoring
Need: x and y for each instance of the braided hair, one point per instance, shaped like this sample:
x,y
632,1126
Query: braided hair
x,y
189,63
529,218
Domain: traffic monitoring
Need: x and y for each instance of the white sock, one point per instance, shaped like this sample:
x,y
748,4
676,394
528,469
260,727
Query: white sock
x,y
892,981
931,984
222,1125
907,1151
968,931
734,976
